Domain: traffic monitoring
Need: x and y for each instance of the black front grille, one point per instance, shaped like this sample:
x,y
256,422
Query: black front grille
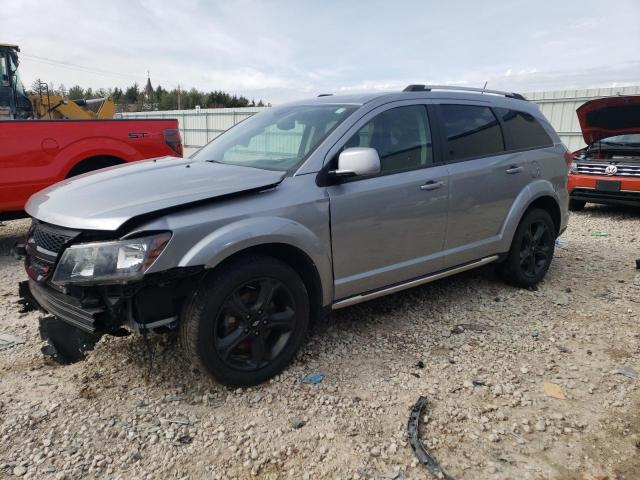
x,y
44,245
48,240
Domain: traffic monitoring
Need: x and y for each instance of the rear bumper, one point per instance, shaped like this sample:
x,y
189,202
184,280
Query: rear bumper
x,y
62,306
583,187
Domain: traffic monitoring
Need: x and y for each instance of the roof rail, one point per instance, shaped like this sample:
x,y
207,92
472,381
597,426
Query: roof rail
x,y
428,88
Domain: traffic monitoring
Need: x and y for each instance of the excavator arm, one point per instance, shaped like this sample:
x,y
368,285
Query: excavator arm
x,y
55,107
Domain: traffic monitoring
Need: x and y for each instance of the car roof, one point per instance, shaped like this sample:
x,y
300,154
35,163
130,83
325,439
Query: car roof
x,y
493,98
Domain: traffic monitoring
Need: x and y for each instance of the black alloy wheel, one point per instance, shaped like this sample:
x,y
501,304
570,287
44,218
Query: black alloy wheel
x,y
255,324
246,320
531,249
535,247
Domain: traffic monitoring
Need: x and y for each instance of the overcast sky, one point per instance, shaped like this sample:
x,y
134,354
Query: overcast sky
x,y
284,50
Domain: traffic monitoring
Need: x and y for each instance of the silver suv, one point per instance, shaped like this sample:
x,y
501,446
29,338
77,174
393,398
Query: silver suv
x,y
297,211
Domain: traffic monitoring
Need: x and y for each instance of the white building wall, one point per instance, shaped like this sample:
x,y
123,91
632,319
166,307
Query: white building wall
x,y
199,127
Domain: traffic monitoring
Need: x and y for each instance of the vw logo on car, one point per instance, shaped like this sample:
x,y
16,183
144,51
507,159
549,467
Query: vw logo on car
x,y
611,170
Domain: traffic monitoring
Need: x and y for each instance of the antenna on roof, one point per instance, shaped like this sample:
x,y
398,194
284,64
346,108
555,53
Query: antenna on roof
x,y
485,86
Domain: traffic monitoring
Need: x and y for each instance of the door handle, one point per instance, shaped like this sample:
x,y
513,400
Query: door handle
x,y
431,185
514,169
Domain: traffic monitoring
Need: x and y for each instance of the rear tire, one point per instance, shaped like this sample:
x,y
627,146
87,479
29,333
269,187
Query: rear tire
x,y
576,205
531,250
246,321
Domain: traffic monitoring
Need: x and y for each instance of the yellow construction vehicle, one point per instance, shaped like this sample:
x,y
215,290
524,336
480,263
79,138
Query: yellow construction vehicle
x,y
15,104
54,107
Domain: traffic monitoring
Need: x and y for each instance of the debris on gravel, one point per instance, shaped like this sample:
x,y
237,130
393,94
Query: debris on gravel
x,y
109,417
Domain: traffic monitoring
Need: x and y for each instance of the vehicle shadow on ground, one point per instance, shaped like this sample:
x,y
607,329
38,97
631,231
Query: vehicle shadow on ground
x,y
357,325
423,297
596,210
7,242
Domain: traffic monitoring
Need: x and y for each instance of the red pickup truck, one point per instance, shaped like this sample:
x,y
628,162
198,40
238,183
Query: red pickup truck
x,y
37,153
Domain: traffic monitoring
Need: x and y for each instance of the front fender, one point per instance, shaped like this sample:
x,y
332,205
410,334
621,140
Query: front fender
x,y
251,232
537,189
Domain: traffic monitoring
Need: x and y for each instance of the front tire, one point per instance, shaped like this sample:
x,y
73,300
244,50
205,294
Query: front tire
x,y
576,205
246,321
531,250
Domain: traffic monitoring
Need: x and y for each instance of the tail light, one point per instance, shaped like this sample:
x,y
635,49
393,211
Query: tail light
x,y
173,140
570,160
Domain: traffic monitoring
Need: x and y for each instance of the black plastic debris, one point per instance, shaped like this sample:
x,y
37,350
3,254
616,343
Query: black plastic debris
x,y
66,344
424,457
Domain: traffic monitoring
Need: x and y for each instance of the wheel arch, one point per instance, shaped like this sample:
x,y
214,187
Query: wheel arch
x,y
293,243
294,257
537,195
92,163
550,205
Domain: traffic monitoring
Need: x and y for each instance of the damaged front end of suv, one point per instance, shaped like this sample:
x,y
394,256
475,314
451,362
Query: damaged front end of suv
x,y
98,286
105,251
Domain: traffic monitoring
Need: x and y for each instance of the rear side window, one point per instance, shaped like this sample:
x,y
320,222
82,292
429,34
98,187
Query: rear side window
x,y
401,136
472,131
523,130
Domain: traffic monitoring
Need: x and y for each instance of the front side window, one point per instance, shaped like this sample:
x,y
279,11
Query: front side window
x,y
523,129
16,77
276,139
4,75
472,131
401,136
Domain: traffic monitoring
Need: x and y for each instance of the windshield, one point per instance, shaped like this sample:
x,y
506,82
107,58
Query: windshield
x,y
631,138
276,139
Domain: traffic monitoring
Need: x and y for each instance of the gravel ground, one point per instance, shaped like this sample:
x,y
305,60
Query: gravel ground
x,y
489,417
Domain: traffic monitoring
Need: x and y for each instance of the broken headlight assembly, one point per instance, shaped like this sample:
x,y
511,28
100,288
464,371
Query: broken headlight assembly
x,y
109,262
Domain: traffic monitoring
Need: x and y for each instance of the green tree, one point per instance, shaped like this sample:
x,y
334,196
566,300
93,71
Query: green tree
x,y
117,94
132,94
76,92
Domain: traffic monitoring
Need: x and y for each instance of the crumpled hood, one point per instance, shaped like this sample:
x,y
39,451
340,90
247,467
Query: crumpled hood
x,y
106,199
610,116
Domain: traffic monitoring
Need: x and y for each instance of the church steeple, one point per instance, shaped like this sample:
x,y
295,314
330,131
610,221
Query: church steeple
x,y
148,89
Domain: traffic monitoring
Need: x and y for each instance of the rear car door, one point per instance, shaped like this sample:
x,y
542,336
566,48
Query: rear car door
x,y
390,228
484,180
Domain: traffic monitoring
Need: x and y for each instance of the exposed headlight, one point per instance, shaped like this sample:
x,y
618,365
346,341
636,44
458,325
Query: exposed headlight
x,y
112,262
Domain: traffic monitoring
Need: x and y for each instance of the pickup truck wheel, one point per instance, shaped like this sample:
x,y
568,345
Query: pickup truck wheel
x,y
246,321
531,250
576,205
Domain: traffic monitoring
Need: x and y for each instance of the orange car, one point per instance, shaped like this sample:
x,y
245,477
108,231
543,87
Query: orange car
x,y
608,169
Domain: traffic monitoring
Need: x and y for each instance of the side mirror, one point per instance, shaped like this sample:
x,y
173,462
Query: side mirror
x,y
357,161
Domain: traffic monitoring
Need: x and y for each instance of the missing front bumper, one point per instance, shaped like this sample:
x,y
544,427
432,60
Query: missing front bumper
x,y
64,307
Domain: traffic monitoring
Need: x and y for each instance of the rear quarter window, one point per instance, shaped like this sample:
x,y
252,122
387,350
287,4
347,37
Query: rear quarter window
x,y
523,130
472,131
